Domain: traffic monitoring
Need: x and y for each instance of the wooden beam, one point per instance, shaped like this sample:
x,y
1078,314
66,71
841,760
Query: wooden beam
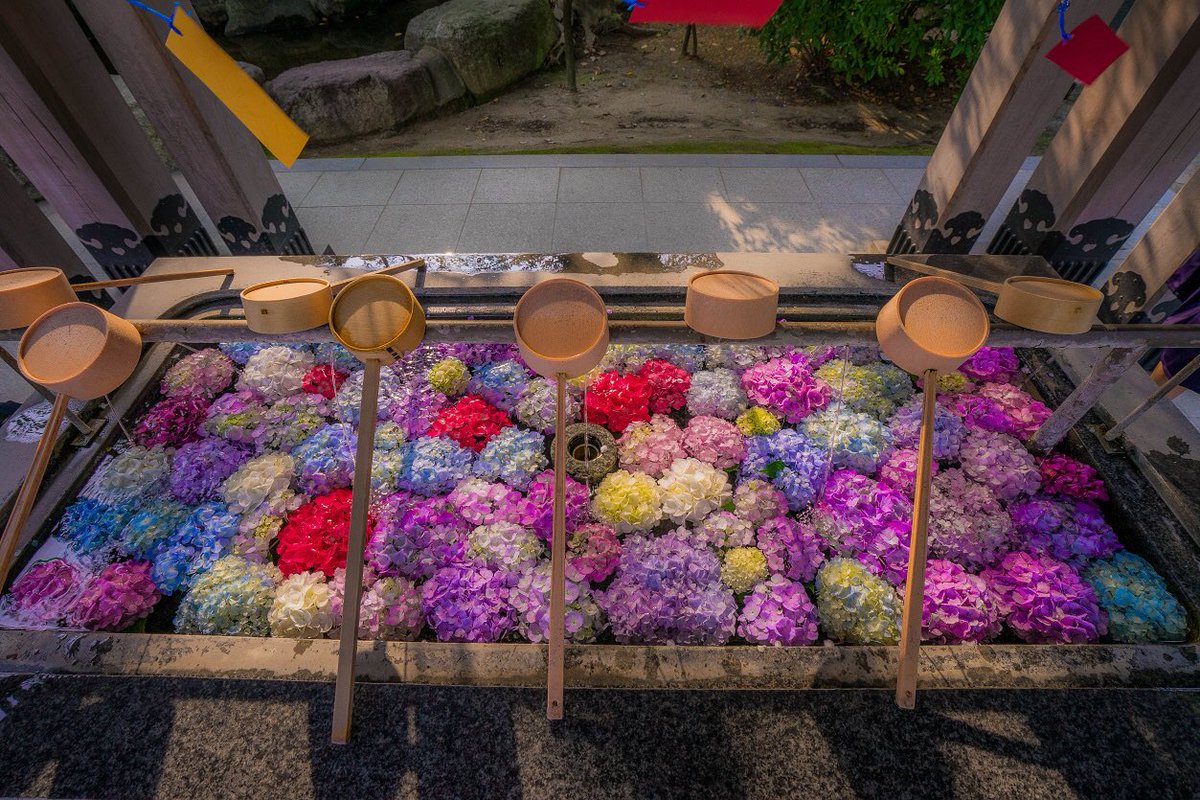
x,y
1107,371
1137,290
221,160
1008,100
27,237
1127,138
65,123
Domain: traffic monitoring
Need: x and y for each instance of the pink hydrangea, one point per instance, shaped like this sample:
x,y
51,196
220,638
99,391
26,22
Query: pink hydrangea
x,y
992,364
651,447
1024,413
957,607
44,592
792,548
756,500
668,385
1064,475
999,462
593,551
900,470
967,524
978,412
778,612
1045,601
787,387
886,552
119,596
714,441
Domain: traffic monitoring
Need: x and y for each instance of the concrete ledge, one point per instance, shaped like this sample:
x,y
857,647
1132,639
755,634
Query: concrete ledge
x,y
602,666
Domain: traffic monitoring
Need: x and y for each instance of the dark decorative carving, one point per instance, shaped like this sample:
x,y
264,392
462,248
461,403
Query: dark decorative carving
x,y
919,232
1025,226
119,251
1124,295
175,230
242,238
282,228
958,235
1087,247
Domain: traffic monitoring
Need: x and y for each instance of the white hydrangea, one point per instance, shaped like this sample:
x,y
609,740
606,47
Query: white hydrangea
x,y
691,490
134,473
257,481
274,373
303,607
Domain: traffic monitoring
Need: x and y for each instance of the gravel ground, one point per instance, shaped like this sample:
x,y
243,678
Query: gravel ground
x,y
179,738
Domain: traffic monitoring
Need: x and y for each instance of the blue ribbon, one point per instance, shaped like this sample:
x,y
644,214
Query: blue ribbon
x,y
157,13
1062,19
632,4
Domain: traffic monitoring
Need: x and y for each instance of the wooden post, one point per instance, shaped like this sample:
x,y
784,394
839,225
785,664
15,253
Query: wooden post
x,y
66,125
1137,290
555,655
1127,138
343,693
914,585
568,23
1162,391
222,161
27,237
1107,371
1011,94
29,488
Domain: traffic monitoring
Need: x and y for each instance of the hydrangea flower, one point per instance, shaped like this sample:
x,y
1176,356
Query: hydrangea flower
x,y
303,607
513,456
434,465
44,592
325,460
651,447
735,357
205,536
116,598
323,380
1136,600
239,352
886,552
897,384
723,529
204,373
504,546
89,526
856,607
628,501
967,524
742,568
233,598
854,508
1066,476
199,468
951,383
290,421
593,551
999,462
257,480
716,393
315,536
668,385
238,417
756,501
1073,531
856,440
171,422
536,407
1045,601
778,612
388,608
856,387
979,413
449,376
690,490
616,400
258,527
275,372
348,400
957,607
499,383
479,502
757,421
537,512
792,548
134,473
1025,414
336,356
530,599
790,461
948,429
153,524
714,441
667,589
468,602
688,357
471,421
900,470
787,387
414,537
992,364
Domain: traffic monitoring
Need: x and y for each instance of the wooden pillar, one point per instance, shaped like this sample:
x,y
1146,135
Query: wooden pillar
x,y
1008,100
1137,291
27,237
1127,138
65,123
222,161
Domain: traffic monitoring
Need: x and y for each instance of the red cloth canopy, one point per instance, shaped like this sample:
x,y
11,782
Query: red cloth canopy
x,y
750,13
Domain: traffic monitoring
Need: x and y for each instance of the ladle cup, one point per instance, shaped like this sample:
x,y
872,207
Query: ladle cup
x,y
561,327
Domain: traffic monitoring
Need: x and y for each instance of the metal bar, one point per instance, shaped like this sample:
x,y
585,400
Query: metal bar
x,y
1107,371
1149,402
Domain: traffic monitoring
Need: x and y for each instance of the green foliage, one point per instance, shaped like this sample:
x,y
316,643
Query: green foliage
x,y
862,40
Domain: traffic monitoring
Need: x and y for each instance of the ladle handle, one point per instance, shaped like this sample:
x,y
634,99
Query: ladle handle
x,y
360,500
174,276
558,560
966,280
914,586
29,488
337,286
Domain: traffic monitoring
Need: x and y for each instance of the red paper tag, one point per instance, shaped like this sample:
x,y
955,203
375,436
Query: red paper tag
x,y
1092,48
751,13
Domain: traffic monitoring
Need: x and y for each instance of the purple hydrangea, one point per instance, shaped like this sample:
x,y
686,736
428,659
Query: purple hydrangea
x,y
1045,601
482,503
967,524
723,529
948,429
537,512
957,606
854,508
199,468
993,364
778,612
999,462
415,536
978,413
467,602
886,552
1073,531
325,460
793,549
43,593
116,598
530,599
716,393
786,458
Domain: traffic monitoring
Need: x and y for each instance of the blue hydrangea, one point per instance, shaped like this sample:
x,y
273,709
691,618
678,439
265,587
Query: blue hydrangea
x,y
1140,608
89,525
152,525
513,456
433,465
500,383
325,460
203,538
858,441
789,461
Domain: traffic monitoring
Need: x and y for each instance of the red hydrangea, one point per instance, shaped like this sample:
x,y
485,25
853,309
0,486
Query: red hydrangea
x,y
315,536
171,422
616,400
668,385
323,379
1064,475
471,422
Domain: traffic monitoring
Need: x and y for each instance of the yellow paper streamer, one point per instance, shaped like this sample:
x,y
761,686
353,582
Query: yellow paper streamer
x,y
196,50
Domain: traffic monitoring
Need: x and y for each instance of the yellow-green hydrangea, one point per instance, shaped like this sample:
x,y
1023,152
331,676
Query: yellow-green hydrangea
x,y
855,606
449,376
952,382
757,421
743,568
629,501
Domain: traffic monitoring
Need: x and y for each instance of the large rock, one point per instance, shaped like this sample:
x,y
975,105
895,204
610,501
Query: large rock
x,y
334,100
491,43
249,16
212,13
